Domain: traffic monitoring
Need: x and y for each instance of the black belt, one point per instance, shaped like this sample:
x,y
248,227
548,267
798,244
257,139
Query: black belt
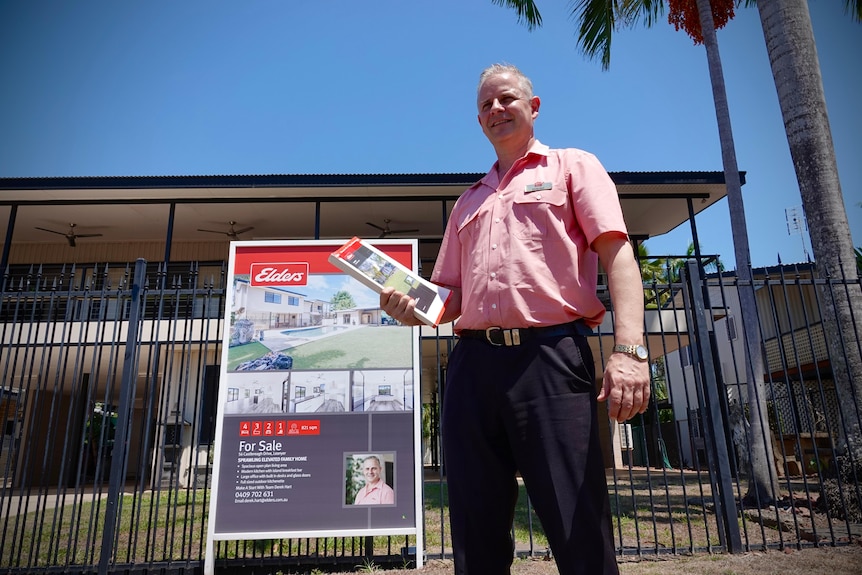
x,y
518,335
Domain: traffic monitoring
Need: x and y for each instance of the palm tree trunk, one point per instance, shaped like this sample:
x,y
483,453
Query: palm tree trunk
x,y
796,69
762,477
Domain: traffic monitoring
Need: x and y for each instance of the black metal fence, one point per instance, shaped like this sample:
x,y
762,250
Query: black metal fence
x,y
98,358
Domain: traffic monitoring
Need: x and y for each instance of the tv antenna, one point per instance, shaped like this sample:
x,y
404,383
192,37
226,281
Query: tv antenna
x,y
797,224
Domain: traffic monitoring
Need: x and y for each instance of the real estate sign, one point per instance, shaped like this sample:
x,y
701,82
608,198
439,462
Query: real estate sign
x,y
317,428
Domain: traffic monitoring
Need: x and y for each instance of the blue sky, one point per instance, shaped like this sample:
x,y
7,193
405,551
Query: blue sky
x,y
162,87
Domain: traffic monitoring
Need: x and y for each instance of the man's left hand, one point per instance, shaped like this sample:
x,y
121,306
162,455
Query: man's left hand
x,y
625,386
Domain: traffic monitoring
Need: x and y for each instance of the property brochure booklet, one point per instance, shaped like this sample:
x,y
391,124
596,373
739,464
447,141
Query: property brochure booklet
x,y
377,270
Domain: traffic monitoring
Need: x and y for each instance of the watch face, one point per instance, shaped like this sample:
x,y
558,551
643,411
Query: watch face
x,y
642,352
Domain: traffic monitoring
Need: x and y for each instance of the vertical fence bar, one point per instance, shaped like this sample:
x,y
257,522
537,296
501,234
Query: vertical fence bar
x,y
127,391
716,446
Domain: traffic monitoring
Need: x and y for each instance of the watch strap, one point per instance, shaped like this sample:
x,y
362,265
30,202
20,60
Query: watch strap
x,y
631,350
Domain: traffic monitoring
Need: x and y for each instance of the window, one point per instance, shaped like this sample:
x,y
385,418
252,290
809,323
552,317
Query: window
x,y
271,297
731,328
292,300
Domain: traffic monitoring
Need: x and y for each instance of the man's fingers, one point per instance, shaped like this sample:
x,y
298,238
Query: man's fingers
x,y
625,387
645,395
638,404
604,392
385,297
398,305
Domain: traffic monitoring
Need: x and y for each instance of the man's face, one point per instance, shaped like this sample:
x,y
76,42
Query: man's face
x,y
371,471
505,113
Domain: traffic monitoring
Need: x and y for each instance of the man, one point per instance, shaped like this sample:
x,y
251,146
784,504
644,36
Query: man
x,y
520,255
375,491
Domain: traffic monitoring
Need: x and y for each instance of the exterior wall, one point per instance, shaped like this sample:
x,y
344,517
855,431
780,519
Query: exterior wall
x,y
268,315
358,316
683,396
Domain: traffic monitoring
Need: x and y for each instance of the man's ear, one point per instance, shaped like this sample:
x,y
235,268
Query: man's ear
x,y
535,102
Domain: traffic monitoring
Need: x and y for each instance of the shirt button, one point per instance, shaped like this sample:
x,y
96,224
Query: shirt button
x,y
500,197
493,246
539,196
493,274
496,220
493,306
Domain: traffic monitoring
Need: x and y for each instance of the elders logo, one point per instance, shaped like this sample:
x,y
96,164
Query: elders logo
x,y
279,274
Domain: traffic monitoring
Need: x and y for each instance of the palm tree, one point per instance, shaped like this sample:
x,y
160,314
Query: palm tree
x,y
653,272
598,19
796,69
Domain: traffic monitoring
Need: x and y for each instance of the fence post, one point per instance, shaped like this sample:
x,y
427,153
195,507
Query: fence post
x,y
124,409
717,453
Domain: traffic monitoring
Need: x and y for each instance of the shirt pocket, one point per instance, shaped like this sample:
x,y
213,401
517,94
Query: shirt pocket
x,y
535,214
467,226
470,236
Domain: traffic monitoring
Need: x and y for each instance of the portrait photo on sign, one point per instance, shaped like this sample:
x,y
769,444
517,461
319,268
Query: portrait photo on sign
x,y
369,478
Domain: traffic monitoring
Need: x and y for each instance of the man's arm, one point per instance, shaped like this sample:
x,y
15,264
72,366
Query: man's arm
x,y
400,306
626,384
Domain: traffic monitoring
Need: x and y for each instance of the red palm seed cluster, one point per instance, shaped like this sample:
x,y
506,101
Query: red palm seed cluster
x,y
684,14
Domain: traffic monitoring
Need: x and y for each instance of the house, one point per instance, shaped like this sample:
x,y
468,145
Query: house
x,y
359,316
801,396
69,243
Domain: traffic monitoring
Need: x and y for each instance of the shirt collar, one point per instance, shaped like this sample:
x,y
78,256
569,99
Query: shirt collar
x,y
536,149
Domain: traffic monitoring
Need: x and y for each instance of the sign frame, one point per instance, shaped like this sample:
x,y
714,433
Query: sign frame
x,y
274,452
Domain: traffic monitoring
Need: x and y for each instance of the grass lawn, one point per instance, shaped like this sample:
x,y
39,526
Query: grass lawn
x,y
240,353
172,526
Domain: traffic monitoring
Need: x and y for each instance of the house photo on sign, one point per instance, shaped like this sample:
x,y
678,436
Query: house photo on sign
x,y
317,426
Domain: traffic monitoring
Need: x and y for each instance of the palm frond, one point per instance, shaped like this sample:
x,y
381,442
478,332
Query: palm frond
x,y
631,12
597,20
854,8
527,11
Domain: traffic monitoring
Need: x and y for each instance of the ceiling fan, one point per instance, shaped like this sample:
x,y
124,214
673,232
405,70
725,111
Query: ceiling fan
x,y
232,233
386,230
70,236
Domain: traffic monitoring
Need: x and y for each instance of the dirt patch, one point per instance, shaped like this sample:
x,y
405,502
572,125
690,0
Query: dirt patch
x,y
810,561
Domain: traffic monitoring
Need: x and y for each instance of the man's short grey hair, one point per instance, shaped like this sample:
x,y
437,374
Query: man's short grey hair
x,y
495,69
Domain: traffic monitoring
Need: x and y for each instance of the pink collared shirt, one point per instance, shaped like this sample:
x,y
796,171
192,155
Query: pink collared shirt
x,y
378,494
520,249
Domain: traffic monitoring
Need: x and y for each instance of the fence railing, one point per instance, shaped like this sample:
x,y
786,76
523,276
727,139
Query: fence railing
x,y
680,476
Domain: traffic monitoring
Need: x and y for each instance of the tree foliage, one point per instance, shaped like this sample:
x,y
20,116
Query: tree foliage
x,y
343,300
684,14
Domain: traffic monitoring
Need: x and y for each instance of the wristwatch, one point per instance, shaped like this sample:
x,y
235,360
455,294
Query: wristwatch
x,y
638,352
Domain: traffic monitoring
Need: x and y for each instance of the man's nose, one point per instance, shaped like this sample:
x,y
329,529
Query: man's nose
x,y
496,105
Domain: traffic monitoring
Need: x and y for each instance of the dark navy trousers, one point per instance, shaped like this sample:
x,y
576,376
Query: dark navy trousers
x,y
527,409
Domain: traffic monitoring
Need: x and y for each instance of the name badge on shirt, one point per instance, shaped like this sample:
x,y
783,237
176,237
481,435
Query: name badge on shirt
x,y
538,186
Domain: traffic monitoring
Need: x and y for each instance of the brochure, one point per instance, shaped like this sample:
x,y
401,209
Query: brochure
x,y
377,270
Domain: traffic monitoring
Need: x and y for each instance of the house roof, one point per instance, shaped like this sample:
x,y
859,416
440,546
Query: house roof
x,y
300,206
317,180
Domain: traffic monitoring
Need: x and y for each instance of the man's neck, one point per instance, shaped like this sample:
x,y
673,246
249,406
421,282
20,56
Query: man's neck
x,y
508,155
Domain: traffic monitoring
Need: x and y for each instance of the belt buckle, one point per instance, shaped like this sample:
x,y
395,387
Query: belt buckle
x,y
510,336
